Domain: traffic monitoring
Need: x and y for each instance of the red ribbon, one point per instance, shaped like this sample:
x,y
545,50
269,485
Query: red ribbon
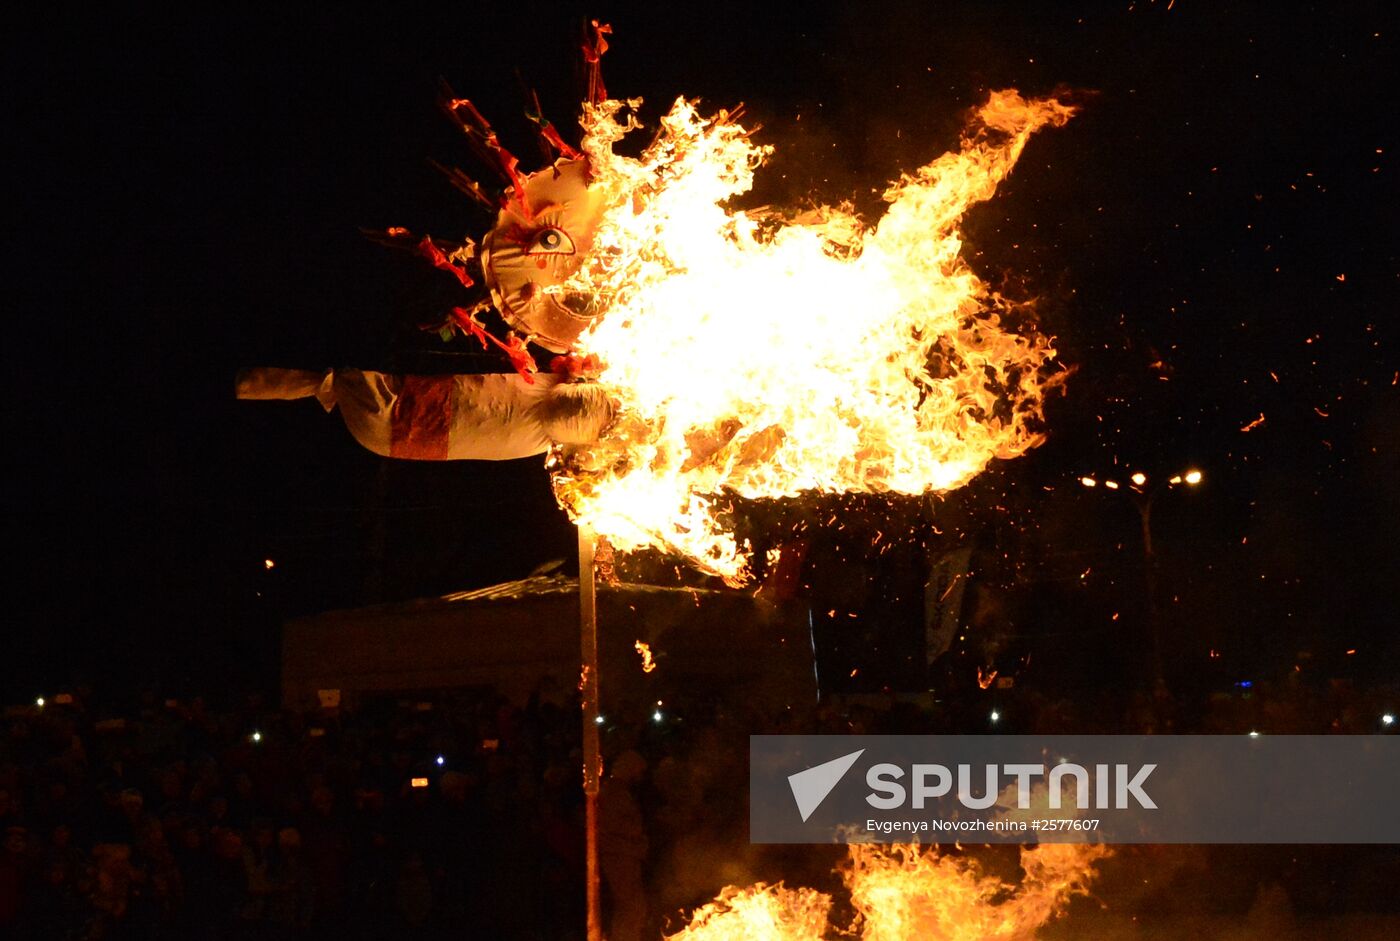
x,y
515,348
435,256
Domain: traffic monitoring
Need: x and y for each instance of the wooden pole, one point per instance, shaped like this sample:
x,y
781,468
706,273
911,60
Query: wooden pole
x,y
588,688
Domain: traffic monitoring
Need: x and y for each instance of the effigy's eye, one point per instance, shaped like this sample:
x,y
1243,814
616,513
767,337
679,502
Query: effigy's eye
x,y
550,241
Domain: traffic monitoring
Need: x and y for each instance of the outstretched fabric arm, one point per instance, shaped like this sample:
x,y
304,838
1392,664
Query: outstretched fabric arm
x,y
493,417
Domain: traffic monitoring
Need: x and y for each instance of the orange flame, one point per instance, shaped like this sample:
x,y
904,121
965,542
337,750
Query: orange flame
x,y
770,357
643,648
759,913
903,892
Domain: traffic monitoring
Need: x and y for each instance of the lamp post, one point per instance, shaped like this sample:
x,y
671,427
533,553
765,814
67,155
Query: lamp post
x,y
1144,497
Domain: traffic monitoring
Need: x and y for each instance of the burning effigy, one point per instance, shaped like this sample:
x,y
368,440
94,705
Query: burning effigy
x,y
670,352
543,232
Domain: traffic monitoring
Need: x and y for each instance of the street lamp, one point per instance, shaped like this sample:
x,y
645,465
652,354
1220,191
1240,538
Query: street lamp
x,y
1191,477
1143,498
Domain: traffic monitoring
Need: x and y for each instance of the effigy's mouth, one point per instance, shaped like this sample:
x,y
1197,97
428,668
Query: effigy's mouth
x,y
577,303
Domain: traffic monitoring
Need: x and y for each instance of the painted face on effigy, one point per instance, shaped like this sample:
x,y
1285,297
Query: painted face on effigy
x,y
541,237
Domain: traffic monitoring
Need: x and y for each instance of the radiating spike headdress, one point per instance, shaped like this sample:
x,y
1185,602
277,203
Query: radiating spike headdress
x,y
544,227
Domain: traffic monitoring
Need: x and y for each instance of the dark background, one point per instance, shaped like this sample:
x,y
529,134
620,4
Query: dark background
x,y
1211,240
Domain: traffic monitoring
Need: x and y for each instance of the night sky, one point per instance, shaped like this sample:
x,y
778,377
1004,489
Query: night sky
x,y
1212,240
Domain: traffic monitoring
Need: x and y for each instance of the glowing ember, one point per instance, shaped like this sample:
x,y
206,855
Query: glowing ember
x,y
903,892
770,357
643,648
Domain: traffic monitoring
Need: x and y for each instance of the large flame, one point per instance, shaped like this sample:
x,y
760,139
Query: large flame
x,y
903,892
767,357
760,913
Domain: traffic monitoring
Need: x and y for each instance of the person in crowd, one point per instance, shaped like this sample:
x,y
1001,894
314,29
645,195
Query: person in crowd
x,y
171,820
